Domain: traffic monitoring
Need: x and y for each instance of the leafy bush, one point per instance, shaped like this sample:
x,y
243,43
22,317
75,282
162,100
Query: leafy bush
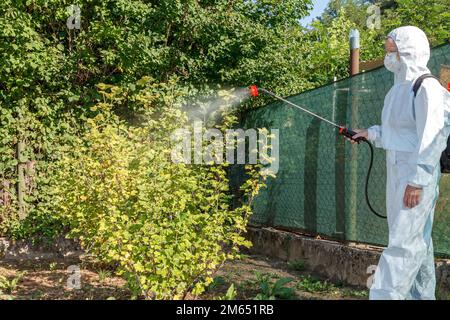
x,y
168,227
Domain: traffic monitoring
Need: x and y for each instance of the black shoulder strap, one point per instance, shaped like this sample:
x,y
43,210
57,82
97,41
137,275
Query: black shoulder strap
x,y
419,81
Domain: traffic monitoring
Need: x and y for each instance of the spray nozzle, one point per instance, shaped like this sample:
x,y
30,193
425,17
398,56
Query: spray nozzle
x,y
349,134
253,91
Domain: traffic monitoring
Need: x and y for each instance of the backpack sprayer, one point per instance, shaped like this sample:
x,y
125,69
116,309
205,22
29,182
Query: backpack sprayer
x,y
254,92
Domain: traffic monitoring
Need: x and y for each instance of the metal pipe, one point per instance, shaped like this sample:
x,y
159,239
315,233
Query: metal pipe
x,y
354,51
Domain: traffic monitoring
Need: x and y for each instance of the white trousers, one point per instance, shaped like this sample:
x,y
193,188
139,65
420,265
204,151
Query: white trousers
x,y
406,268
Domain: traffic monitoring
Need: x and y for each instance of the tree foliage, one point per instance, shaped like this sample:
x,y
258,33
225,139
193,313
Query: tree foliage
x,y
48,72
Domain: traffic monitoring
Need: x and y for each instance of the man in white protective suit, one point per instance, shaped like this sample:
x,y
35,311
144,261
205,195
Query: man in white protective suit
x,y
412,133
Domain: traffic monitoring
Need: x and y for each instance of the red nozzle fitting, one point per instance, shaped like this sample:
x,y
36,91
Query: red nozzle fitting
x,y
253,91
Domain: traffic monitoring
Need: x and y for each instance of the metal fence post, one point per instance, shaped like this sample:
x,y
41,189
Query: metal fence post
x,y
351,225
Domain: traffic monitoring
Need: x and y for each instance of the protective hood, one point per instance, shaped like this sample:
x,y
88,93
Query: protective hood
x,y
414,50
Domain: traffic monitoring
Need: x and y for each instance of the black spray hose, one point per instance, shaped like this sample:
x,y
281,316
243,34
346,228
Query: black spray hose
x,y
349,134
369,171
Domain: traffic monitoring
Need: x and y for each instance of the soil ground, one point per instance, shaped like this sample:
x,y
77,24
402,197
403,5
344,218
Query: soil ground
x,y
42,280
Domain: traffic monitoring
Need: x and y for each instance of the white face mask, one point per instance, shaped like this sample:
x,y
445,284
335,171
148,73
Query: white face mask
x,y
391,63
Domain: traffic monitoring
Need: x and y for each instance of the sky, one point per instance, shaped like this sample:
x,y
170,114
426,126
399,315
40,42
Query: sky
x,y
319,7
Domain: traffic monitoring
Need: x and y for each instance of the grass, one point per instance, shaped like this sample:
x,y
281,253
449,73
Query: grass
x,y
270,286
53,266
103,274
355,293
313,285
297,265
9,285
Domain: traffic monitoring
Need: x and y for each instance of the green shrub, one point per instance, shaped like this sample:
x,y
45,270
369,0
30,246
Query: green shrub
x,y
271,290
167,226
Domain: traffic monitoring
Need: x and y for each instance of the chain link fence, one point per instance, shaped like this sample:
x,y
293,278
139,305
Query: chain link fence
x,y
319,188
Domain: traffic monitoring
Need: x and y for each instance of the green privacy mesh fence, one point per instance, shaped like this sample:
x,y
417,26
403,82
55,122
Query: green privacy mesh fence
x,y
320,183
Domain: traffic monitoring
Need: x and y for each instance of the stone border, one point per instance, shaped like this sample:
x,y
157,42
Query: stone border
x,y
25,250
342,262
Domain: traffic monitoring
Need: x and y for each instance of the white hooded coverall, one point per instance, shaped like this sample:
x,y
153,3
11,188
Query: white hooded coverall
x,y
412,133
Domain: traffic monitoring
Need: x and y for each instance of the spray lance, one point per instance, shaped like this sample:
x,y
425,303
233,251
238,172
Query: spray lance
x,y
254,92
